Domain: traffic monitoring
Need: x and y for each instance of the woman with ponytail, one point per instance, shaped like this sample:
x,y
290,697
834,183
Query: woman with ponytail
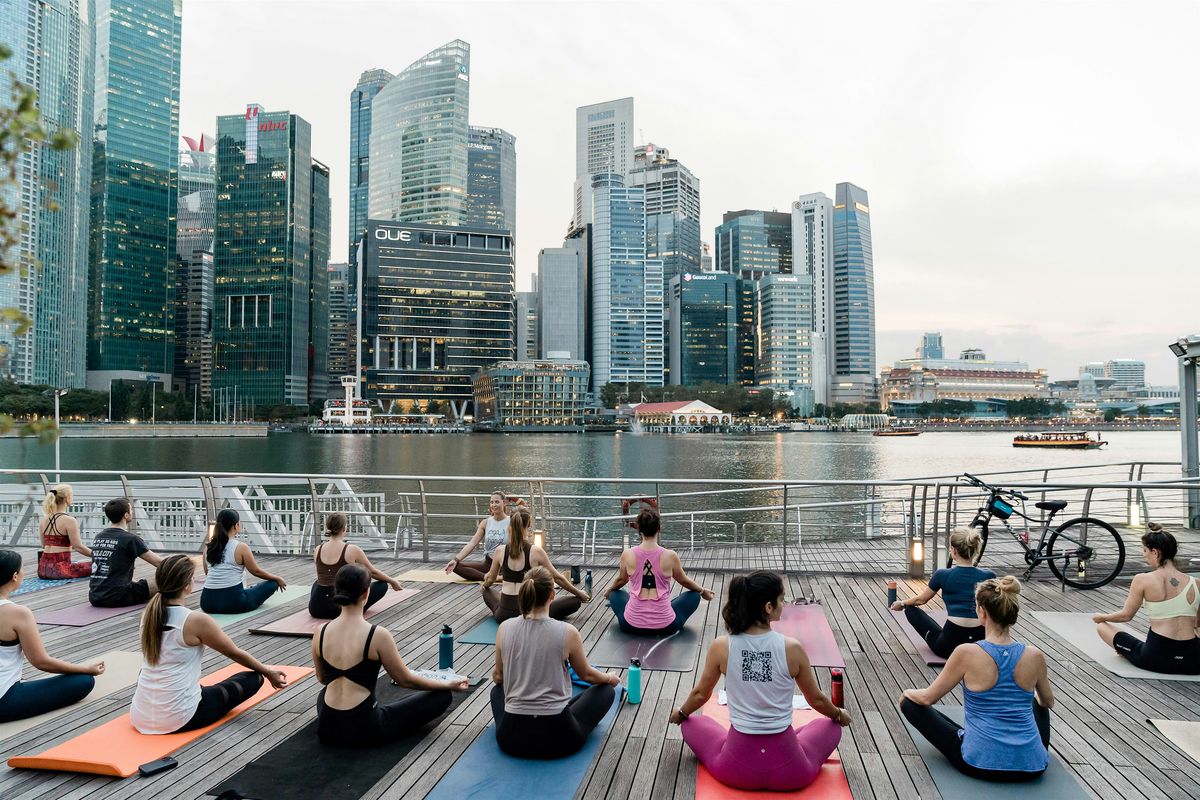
x,y
536,717
512,561
60,535
348,714
1007,698
19,640
226,560
169,697
957,585
320,599
762,669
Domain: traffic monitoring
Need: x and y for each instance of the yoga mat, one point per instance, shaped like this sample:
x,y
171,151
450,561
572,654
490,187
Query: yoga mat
x,y
85,613
1184,735
304,625
1057,783
120,671
117,749
342,773
674,653
484,771
830,783
1080,632
34,584
808,624
483,633
931,658
275,600
432,576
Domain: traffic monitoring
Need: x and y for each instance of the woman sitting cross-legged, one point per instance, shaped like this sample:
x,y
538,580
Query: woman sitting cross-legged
x,y
512,561
230,559
169,697
348,715
536,717
762,669
649,609
60,536
320,599
19,639
1006,697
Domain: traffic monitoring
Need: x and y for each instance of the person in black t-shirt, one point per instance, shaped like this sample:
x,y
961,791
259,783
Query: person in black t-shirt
x,y
114,552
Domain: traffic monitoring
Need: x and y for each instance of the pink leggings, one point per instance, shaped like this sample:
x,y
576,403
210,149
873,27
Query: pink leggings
x,y
777,762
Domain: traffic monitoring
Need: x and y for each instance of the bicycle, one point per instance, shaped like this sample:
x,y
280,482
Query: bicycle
x,y
1096,547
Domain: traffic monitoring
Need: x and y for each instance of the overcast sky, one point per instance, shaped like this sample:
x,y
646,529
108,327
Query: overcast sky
x,y
1033,168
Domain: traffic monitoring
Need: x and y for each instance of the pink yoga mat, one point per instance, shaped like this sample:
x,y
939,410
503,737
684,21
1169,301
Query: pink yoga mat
x,y
808,624
86,613
931,658
304,625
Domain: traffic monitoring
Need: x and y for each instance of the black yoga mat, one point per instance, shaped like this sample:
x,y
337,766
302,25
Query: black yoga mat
x,y
300,767
674,653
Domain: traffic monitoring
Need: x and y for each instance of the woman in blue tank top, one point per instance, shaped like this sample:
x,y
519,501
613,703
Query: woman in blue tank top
x,y
1007,698
957,585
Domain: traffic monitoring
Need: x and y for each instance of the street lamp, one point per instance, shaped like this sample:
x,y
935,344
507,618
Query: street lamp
x,y
57,393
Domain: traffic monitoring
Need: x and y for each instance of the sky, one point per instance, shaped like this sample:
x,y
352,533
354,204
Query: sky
x,y
1033,167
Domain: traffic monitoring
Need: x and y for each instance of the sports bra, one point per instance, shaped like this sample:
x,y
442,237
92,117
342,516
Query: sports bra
x,y
365,673
514,575
327,573
1177,606
55,539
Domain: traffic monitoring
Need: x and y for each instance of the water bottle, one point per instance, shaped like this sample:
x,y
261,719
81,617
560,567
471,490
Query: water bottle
x,y
835,682
446,648
891,592
633,681
574,574
587,583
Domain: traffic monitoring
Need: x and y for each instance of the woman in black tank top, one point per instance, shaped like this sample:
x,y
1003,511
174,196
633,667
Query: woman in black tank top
x,y
345,720
511,571
320,598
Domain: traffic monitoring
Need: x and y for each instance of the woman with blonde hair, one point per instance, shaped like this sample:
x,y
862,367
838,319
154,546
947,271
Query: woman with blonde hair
x,y
60,536
169,697
492,531
1007,698
957,585
536,716
512,561
320,598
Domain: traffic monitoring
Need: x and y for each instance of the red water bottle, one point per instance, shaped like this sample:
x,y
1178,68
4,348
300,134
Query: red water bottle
x,y
835,682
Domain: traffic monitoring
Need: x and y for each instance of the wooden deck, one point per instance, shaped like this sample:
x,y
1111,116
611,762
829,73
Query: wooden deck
x,y
1099,724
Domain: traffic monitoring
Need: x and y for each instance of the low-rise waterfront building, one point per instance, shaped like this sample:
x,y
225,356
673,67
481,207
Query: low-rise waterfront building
x,y
680,416
532,395
970,377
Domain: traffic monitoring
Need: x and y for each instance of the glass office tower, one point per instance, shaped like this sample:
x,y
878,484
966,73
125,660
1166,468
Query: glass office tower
x,y
195,222
492,179
135,157
784,348
361,98
318,285
703,328
854,377
751,244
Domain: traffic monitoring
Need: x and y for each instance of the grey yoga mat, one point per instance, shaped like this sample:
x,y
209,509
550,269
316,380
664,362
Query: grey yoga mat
x,y
931,658
1057,783
1080,632
674,653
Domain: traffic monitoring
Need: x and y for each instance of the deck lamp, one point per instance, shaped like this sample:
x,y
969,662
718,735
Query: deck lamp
x,y
916,557
212,531
538,539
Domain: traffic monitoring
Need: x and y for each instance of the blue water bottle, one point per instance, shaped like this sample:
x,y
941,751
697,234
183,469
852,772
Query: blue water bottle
x,y
446,648
587,583
634,681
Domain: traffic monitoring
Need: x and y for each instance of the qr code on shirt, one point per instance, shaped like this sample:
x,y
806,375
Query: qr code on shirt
x,y
756,667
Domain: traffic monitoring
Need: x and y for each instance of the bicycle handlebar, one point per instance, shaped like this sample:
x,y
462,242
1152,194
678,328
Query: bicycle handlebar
x,y
971,479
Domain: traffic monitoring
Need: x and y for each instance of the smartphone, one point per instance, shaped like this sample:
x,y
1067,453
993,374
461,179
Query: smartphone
x,y
155,767
475,681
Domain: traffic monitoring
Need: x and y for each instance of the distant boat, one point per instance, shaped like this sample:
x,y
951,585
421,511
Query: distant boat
x,y
280,429
898,430
1062,440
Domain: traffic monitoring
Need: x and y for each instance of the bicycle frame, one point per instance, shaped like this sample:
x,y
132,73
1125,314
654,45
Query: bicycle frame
x,y
1033,555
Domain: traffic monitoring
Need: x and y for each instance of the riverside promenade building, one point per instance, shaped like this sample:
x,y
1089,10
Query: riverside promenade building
x,y
532,396
681,416
924,380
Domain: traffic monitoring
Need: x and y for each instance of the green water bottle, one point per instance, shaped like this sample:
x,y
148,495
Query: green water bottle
x,y
633,681
446,648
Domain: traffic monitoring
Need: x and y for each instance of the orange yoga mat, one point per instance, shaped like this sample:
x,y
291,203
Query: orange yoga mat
x,y
117,749
829,785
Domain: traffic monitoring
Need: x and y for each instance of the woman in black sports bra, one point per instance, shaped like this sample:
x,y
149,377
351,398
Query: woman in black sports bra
x,y
511,561
348,714
320,597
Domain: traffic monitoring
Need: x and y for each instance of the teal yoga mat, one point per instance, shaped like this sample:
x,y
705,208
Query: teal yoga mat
x,y
483,633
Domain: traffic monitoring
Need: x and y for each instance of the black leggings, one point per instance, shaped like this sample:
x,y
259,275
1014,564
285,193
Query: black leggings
x,y
504,606
941,640
684,606
1159,653
321,606
473,570
552,735
946,735
370,723
219,699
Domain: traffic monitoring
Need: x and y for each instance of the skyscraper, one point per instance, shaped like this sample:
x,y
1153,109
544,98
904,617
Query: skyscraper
x,y
492,179
784,344
361,98
562,299
1127,373
854,378
265,253
526,325
703,328
135,157
195,217
931,346
751,244
672,210
603,145
51,44
318,284
341,339
812,243
418,151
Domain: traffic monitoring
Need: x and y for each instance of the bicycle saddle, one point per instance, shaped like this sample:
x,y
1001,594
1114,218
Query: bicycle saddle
x,y
1052,505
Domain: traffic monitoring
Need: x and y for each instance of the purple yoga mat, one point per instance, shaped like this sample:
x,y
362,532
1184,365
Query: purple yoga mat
x,y
86,613
931,658
808,624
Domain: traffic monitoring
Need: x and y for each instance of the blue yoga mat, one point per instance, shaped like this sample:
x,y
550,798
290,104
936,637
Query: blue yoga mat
x,y
483,633
34,583
484,771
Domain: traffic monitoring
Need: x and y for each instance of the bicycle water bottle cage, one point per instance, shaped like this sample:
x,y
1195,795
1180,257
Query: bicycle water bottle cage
x,y
1000,509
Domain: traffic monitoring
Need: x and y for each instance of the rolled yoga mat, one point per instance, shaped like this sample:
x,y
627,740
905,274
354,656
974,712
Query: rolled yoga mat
x,y
1184,735
1057,783
922,646
675,653
809,624
120,671
86,614
432,576
304,625
1080,632
342,773
482,633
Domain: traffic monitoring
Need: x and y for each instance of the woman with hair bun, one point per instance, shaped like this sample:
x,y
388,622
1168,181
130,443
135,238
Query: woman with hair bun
x,y
536,716
348,714
60,536
512,561
762,669
1007,698
957,585
1172,602
320,597
224,592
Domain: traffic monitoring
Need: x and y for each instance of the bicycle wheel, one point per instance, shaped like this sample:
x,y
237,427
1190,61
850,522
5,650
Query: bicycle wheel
x,y
1094,546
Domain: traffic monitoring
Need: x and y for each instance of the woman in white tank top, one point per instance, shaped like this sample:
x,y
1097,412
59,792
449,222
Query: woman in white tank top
x,y
492,531
226,560
762,668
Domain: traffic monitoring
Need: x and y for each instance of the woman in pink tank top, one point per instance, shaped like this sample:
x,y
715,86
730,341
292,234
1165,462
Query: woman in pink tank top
x,y
649,609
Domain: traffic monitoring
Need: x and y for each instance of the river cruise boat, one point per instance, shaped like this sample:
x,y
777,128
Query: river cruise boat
x,y
1061,440
898,430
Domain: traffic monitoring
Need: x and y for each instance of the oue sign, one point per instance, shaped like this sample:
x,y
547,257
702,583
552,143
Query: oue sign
x,y
393,235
